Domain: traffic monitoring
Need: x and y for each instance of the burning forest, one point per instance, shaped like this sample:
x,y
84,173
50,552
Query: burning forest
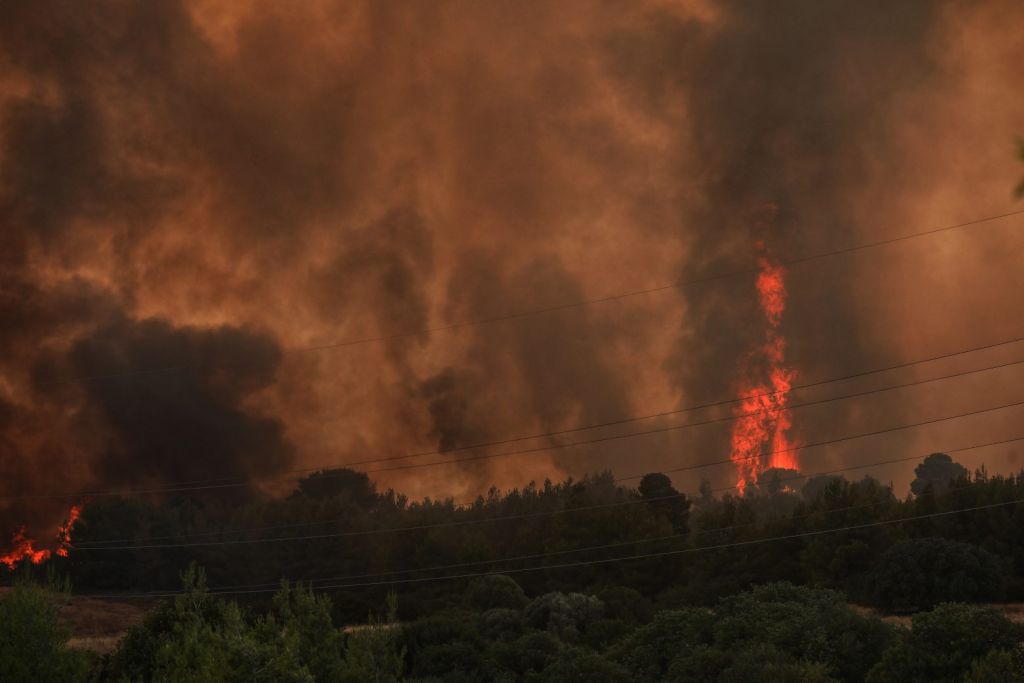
x,y
565,314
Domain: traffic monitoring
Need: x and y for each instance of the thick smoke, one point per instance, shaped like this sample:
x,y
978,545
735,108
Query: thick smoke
x,y
231,193
787,105
186,419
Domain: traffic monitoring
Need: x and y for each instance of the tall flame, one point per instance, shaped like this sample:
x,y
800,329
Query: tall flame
x,y
759,435
23,548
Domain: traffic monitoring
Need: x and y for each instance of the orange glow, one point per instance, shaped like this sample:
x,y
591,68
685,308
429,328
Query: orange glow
x,y
64,533
759,435
23,548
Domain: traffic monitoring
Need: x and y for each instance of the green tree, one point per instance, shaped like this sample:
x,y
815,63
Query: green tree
x,y
494,590
566,615
33,647
945,643
580,666
920,573
998,666
648,652
374,654
198,637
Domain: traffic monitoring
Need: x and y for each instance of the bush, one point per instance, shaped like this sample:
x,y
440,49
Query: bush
x,y
32,646
755,662
457,660
649,650
527,655
920,573
578,666
998,666
803,634
495,590
945,643
565,615
501,624
197,637
603,633
808,624
627,604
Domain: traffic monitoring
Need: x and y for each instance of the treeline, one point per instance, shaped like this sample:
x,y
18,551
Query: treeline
x,y
493,632
336,530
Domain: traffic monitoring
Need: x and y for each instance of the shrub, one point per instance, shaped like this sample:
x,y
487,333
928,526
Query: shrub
x,y
495,590
920,573
198,637
529,654
501,624
754,662
565,615
649,650
807,624
945,643
998,666
602,633
802,633
627,604
32,645
578,666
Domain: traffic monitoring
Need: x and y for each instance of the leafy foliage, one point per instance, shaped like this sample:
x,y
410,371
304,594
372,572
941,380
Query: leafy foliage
x,y
920,573
948,643
573,612
33,647
799,633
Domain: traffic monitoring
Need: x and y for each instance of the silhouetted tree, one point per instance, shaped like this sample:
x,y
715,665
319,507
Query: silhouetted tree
x,y
658,488
937,471
336,483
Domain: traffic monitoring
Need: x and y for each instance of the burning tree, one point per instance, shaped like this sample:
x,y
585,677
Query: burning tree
x,y
760,437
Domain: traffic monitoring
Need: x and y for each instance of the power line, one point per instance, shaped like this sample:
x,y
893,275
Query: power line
x,y
213,485
587,563
569,305
422,527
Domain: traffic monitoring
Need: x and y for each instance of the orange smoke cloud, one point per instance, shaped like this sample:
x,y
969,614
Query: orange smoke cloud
x,y
212,186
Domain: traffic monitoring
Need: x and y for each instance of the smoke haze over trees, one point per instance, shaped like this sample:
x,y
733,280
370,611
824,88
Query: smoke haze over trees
x,y
200,190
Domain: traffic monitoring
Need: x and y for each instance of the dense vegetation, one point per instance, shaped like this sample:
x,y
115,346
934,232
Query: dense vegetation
x,y
734,588
776,632
347,534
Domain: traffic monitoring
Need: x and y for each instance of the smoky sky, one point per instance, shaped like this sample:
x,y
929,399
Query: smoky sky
x,y
234,193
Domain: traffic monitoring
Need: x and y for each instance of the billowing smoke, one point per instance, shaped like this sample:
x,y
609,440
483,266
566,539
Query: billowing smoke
x,y
185,419
226,227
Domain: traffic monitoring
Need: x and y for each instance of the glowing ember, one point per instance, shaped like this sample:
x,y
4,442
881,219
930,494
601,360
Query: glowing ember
x,y
759,435
23,548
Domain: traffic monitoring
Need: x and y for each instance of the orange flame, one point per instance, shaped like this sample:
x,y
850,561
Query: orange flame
x,y
23,548
64,533
759,435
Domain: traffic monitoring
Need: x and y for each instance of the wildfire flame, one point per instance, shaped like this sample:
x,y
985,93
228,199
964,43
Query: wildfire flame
x,y
759,435
23,548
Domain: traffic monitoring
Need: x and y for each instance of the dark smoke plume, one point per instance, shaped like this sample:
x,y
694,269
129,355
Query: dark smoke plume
x,y
215,187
